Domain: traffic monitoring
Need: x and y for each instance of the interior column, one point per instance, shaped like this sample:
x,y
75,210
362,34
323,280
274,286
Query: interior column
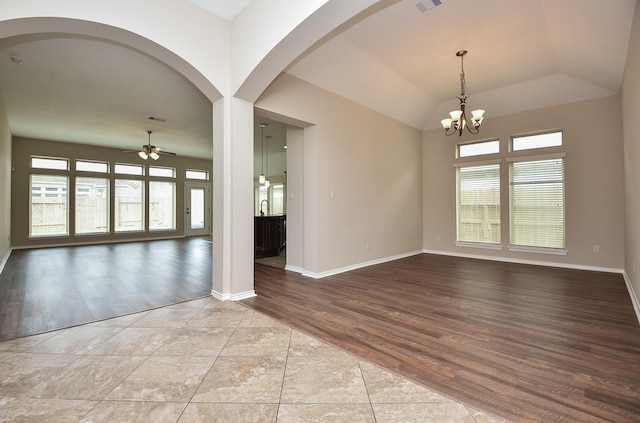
x,y
232,199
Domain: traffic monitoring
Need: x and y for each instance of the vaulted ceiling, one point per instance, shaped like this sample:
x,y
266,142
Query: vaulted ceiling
x,y
400,61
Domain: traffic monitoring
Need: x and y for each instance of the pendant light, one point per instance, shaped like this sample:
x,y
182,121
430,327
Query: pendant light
x,y
262,179
266,182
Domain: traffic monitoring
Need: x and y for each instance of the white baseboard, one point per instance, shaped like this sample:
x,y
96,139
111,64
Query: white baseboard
x,y
94,242
523,261
233,297
357,266
632,294
294,269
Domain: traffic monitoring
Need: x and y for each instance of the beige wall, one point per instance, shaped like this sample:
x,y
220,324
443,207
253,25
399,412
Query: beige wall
x,y
631,140
5,185
372,164
23,148
594,183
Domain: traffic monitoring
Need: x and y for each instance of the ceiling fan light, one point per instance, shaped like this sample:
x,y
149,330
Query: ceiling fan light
x,y
154,155
143,155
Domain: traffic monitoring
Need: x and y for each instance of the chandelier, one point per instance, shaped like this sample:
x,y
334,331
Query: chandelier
x,y
458,120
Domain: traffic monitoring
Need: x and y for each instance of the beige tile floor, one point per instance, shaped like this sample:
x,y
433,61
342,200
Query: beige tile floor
x,y
204,361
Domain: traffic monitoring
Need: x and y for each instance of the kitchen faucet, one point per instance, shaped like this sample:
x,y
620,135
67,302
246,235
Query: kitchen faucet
x,y
261,212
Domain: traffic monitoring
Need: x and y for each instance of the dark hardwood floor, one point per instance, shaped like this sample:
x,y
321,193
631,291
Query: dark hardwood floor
x,y
53,288
525,343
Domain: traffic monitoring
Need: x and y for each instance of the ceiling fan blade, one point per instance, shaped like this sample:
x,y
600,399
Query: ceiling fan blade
x,y
161,150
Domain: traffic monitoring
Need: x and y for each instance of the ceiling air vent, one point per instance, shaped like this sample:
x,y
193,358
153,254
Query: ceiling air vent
x,y
425,5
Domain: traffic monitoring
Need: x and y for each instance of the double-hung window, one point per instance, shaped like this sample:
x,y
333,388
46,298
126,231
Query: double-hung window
x,y
478,194
478,203
536,194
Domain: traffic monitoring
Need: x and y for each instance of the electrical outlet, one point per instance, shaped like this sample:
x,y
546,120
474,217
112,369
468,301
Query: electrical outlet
x,y
596,248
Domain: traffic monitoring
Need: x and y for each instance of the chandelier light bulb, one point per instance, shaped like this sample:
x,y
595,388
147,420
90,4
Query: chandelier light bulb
x,y
477,116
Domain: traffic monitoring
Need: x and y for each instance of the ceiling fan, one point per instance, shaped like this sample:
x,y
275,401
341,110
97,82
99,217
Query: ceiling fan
x,y
151,151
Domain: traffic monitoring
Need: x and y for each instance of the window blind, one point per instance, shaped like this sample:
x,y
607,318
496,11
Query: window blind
x,y
537,203
478,203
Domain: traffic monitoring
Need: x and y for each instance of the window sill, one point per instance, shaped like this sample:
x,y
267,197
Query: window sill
x,y
539,250
478,245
